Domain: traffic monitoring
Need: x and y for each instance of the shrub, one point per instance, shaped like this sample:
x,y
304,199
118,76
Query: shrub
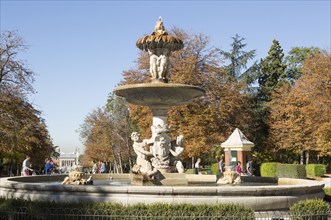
x,y
327,194
310,209
214,168
315,170
291,171
190,171
268,169
152,211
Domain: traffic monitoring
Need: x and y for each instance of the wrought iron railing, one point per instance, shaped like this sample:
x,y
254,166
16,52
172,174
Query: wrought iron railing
x,y
24,213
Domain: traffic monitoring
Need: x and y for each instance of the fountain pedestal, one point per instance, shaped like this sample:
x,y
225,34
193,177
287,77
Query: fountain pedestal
x,y
160,96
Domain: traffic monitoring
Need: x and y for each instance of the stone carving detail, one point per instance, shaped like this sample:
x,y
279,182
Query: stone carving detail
x,y
142,165
159,64
162,151
159,45
76,178
177,147
230,177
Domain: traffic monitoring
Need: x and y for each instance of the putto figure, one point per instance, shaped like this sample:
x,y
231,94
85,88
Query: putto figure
x,y
177,147
142,166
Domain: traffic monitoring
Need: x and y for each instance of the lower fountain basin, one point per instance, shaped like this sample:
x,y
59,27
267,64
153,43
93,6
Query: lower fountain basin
x,y
260,198
159,94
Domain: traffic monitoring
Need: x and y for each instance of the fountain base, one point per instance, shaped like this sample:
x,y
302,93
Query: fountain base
x,y
160,179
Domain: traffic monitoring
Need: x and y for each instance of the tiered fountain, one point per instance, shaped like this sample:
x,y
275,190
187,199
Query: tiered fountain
x,y
160,96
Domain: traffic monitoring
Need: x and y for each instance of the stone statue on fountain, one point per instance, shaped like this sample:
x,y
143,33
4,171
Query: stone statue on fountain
x,y
142,166
159,46
163,152
177,147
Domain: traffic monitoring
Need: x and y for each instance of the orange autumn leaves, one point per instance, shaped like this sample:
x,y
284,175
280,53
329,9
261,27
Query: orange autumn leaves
x,y
301,113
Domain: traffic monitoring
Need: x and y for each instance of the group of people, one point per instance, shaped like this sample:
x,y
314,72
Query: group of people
x,y
99,167
27,169
246,171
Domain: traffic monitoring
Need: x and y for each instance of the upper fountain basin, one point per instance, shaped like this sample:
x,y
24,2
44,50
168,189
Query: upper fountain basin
x,y
159,94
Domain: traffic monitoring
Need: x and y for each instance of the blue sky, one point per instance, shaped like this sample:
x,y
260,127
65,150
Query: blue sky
x,y
79,49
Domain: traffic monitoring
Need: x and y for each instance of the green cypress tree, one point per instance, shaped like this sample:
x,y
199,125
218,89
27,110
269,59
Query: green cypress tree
x,y
272,72
271,75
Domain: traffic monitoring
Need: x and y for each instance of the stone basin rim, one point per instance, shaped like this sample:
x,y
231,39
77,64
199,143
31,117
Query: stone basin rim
x,y
158,85
257,197
159,94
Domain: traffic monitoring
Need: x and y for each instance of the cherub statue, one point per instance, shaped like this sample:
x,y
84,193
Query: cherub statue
x,y
153,63
177,147
163,64
142,165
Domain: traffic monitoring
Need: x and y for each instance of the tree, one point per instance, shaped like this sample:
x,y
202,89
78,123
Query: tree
x,y
105,133
23,130
95,133
122,127
270,76
300,116
15,76
294,61
238,58
272,72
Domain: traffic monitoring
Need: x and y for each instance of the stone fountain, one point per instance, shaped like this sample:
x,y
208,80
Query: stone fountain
x,y
157,157
160,96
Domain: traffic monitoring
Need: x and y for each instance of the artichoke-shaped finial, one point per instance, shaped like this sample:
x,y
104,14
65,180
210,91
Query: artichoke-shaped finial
x,y
159,46
159,39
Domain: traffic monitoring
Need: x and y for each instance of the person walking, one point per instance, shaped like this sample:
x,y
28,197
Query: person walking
x,y
239,171
26,166
221,167
94,168
197,166
103,167
249,167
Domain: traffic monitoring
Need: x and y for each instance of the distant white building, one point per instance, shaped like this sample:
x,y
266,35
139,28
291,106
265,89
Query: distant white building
x,y
67,161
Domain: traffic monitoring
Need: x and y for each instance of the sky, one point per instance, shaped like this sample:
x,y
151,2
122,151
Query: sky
x,y
79,49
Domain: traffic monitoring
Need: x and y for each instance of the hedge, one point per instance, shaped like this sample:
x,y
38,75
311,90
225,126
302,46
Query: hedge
x,y
43,210
190,171
268,169
291,171
315,170
327,194
214,169
314,209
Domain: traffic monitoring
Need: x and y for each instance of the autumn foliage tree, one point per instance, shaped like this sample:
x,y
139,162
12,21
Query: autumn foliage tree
x,y
22,129
105,134
300,116
95,134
